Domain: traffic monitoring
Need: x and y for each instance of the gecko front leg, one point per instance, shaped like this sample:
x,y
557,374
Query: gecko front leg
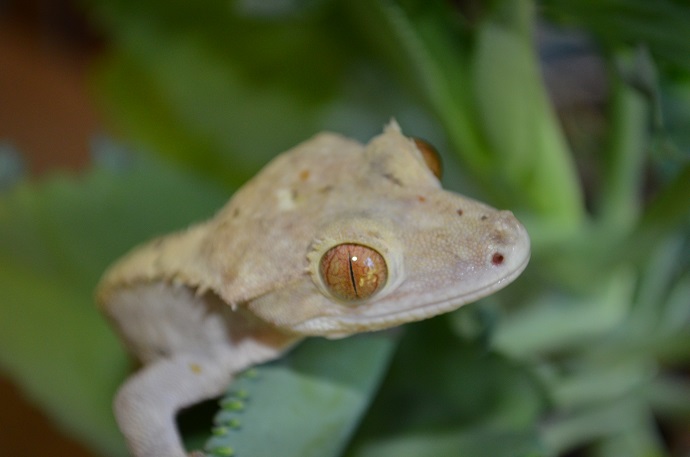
x,y
200,343
146,405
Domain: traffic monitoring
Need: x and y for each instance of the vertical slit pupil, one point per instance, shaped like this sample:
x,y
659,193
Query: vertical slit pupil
x,y
352,274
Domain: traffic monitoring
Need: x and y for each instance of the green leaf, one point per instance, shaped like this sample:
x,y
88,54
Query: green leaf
x,y
560,322
501,126
530,152
56,237
445,395
481,442
306,404
222,92
657,25
620,203
429,52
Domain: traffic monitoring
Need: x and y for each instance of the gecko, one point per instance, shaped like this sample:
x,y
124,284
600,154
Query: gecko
x,y
330,239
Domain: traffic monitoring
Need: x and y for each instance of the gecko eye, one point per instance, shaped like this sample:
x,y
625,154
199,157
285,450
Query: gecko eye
x,y
353,272
431,156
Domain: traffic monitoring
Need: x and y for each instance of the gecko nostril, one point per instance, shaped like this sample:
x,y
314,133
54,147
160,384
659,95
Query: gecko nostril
x,y
497,258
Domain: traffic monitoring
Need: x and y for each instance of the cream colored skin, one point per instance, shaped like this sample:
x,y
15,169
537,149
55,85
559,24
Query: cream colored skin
x,y
200,305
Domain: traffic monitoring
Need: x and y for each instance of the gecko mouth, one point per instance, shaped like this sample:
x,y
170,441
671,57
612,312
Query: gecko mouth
x,y
449,302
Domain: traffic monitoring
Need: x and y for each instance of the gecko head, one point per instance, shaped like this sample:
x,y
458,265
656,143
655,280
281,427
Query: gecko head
x,y
406,251
384,282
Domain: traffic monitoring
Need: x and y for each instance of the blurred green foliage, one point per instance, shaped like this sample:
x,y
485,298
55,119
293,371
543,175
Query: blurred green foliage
x,y
586,351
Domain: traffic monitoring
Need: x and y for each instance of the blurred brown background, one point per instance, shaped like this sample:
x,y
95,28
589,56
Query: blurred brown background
x,y
47,113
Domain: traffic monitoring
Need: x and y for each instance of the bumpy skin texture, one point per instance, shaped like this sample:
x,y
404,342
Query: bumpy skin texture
x,y
200,305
